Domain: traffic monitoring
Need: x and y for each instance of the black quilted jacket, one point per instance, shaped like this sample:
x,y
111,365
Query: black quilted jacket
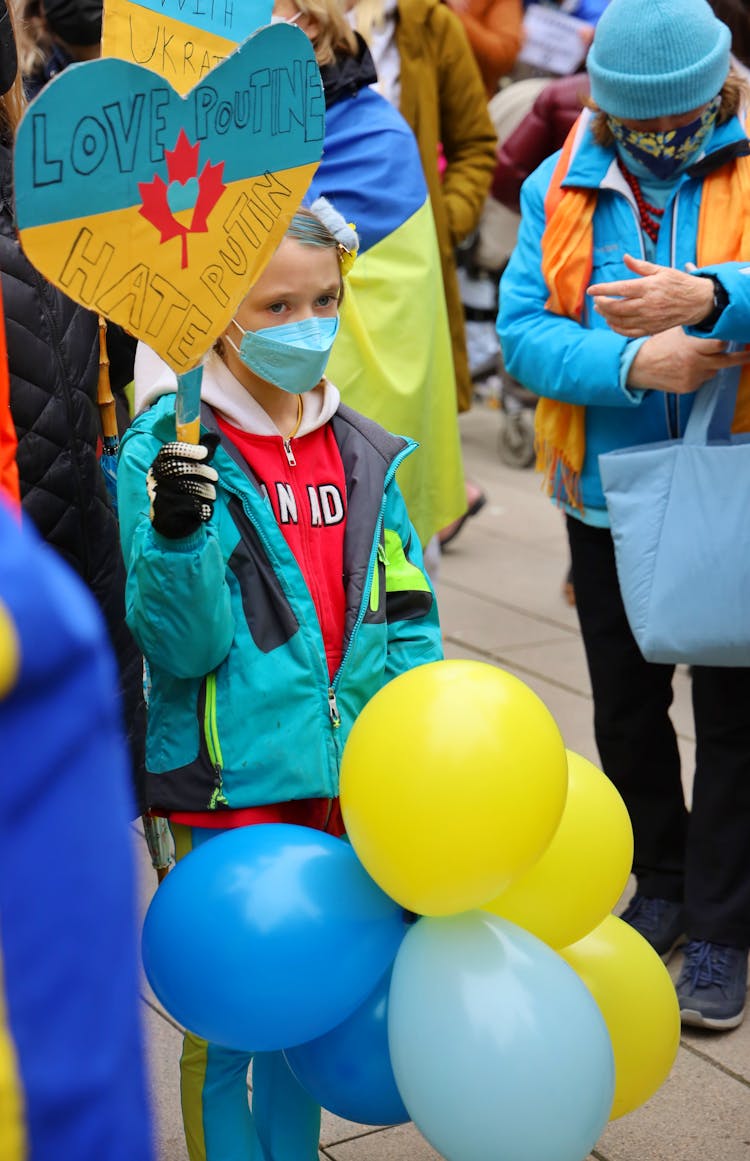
x,y
53,355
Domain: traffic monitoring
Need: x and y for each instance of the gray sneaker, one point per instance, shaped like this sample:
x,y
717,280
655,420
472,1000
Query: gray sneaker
x,y
660,921
712,986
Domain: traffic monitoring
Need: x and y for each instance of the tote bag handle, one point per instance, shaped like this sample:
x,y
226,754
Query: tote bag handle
x,y
713,408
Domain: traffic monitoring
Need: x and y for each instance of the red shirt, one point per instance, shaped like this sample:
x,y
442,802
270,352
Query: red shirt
x,y
318,813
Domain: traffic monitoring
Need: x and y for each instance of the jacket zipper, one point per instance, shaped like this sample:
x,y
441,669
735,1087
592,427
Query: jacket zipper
x,y
395,464
333,709
289,453
213,745
379,554
331,687
381,558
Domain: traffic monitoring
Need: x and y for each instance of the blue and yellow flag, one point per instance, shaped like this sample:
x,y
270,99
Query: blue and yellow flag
x,y
392,359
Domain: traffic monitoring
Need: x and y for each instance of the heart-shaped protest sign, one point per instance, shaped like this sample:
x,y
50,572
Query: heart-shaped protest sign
x,y
159,211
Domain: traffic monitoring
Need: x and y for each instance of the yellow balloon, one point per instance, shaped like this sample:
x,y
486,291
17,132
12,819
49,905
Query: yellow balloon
x,y
585,868
638,1001
10,653
453,781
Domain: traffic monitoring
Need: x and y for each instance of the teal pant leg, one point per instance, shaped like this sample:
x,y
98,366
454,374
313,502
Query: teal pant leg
x,y
287,1120
213,1080
216,1103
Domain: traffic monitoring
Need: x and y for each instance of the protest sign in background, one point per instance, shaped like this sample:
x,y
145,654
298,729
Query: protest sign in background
x,y
180,39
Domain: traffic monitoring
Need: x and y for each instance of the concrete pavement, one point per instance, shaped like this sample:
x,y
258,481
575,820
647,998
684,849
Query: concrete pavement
x,y
500,600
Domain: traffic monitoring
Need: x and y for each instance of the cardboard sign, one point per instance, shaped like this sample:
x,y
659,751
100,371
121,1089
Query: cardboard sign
x,y
159,211
181,39
554,41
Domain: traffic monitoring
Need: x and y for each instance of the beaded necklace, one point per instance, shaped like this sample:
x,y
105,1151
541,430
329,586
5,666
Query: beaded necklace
x,y
650,215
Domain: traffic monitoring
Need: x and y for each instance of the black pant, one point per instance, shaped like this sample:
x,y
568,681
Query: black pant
x,y
702,858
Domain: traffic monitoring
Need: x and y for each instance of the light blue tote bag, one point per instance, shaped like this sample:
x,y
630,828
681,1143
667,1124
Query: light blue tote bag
x,y
680,517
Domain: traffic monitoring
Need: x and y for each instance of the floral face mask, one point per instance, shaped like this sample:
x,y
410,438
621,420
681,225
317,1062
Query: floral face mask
x,y
664,154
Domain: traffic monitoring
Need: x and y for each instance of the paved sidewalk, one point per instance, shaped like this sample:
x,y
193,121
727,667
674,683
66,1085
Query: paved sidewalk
x,y
500,600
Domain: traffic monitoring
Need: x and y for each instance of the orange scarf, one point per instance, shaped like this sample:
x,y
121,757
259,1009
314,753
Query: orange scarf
x,y
567,256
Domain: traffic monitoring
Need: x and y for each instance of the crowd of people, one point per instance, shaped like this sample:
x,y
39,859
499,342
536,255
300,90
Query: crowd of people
x,y
308,523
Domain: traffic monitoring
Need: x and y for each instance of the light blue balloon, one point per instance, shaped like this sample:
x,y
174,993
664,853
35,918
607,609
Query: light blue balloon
x,y
499,1051
348,1070
267,936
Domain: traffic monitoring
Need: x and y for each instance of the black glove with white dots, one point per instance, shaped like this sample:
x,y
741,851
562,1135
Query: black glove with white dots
x,y
180,485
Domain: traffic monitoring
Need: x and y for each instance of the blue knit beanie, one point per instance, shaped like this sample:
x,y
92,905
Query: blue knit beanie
x,y
657,58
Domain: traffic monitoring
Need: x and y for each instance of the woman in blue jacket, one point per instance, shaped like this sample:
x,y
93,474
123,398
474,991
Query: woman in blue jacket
x,y
656,154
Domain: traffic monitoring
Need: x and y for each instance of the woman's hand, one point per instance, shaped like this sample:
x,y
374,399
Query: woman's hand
x,y
674,361
660,299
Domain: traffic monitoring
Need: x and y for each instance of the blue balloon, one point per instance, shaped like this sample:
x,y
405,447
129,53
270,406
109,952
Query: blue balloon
x,y
348,1070
499,1051
268,935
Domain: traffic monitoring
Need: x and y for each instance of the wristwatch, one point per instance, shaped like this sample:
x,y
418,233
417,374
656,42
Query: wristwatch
x,y
721,300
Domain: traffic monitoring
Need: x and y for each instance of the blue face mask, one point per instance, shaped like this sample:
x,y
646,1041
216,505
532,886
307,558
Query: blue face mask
x,y
666,154
292,356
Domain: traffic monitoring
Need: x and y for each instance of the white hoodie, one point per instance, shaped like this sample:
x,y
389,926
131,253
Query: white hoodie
x,y
221,391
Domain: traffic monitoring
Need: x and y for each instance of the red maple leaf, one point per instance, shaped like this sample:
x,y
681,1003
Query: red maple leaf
x,y
182,167
182,162
155,208
210,189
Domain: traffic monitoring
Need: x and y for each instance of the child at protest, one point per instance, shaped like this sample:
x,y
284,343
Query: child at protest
x,y
275,583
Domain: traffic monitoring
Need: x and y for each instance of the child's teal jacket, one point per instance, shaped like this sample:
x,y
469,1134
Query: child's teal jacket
x,y
242,712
